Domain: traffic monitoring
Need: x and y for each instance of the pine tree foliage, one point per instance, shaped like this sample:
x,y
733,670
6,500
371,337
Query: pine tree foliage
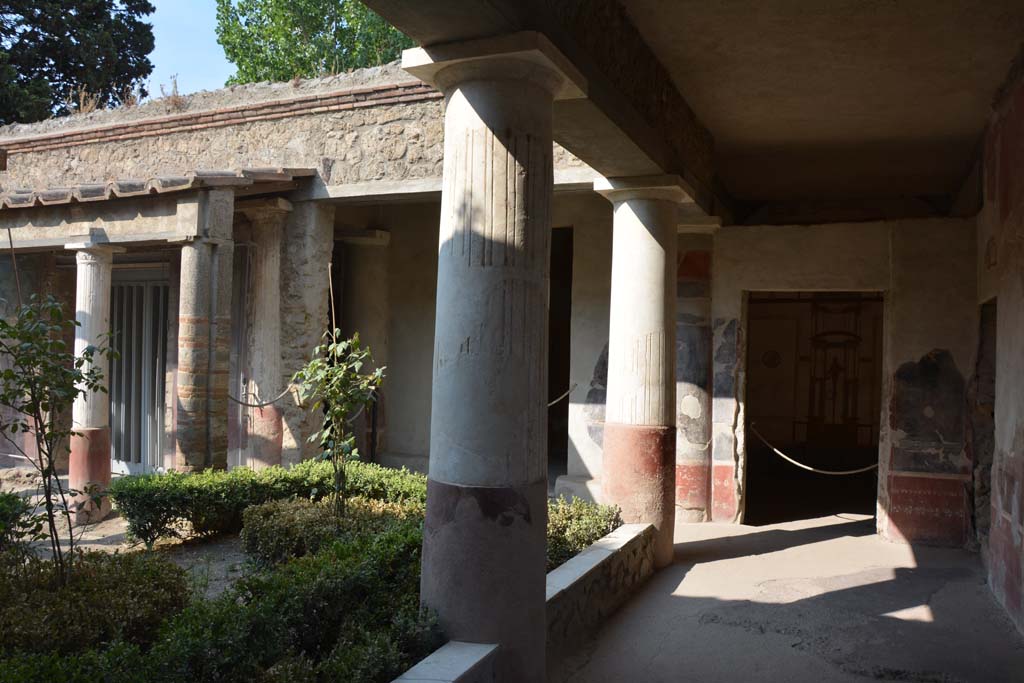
x,y
55,54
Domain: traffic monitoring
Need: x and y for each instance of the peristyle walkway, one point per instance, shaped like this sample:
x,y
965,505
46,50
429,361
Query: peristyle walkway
x,y
816,600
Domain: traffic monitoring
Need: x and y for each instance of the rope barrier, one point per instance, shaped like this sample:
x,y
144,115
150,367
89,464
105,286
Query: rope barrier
x,y
568,391
807,467
260,405
282,395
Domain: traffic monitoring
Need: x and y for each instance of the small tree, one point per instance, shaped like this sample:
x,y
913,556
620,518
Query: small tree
x,y
277,40
333,381
38,388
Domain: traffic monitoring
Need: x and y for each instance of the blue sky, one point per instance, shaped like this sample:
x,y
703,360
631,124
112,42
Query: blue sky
x,y
186,45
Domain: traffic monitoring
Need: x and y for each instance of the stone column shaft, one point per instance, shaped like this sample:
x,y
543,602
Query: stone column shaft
x,y
265,425
219,372
640,418
484,544
204,337
194,305
89,466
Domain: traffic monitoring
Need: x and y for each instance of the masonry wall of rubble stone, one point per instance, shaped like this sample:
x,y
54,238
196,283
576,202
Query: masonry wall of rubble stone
x,y
1001,275
369,125
589,588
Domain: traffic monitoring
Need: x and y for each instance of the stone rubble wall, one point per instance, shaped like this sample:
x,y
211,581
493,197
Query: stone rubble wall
x,y
581,595
370,125
589,588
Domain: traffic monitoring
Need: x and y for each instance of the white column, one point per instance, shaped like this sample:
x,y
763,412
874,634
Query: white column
x,y
265,425
640,417
484,539
89,467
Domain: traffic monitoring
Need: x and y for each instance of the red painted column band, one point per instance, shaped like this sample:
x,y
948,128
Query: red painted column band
x,y
639,464
89,473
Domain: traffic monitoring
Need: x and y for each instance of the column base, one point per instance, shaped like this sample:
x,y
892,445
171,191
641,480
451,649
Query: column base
x,y
267,436
89,474
638,476
484,569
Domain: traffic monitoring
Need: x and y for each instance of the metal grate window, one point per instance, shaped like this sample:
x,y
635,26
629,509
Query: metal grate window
x,y
138,319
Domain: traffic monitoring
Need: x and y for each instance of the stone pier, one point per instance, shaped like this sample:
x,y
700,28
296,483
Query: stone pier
x,y
266,429
89,467
693,379
640,418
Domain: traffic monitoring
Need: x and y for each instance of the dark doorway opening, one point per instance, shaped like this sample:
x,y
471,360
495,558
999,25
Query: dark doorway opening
x,y
559,327
814,369
982,400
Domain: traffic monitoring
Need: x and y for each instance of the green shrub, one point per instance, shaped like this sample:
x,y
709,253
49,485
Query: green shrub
x,y
170,505
18,523
319,617
278,530
576,524
107,598
119,663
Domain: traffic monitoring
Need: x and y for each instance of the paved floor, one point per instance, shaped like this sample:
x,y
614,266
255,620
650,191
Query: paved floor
x,y
816,600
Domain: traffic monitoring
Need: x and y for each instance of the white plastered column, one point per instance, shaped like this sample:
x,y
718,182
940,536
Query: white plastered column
x,y
265,422
89,466
484,538
640,416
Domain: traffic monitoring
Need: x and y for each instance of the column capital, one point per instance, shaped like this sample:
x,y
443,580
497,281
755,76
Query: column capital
x,y
94,251
623,188
260,210
524,55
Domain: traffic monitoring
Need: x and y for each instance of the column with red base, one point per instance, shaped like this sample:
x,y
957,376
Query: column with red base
x,y
640,418
89,467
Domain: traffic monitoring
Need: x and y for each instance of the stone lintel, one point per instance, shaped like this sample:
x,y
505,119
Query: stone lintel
x,y
362,237
428,63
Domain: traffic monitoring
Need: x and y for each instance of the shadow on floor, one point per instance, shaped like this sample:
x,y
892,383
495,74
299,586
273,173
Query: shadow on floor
x,y
821,600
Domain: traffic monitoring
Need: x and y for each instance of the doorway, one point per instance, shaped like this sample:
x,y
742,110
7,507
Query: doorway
x,y
138,328
559,348
814,369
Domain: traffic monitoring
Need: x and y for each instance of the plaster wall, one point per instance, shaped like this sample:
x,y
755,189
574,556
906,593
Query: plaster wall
x,y
407,268
925,269
411,283
1001,271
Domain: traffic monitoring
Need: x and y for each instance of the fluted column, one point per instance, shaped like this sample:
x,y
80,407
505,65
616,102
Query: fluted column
x,y
89,466
484,540
640,416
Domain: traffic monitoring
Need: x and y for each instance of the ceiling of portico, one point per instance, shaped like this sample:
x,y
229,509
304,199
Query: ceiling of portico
x,y
837,99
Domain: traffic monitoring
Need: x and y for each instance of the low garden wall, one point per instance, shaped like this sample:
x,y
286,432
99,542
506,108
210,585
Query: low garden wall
x,y
581,594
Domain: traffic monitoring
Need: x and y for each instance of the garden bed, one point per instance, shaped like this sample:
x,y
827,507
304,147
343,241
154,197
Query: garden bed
x,y
319,599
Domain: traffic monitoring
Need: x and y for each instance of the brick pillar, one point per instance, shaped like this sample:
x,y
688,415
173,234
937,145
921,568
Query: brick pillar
x,y
204,338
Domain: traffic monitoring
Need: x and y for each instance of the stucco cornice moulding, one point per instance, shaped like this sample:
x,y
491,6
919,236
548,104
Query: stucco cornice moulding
x,y
430,64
